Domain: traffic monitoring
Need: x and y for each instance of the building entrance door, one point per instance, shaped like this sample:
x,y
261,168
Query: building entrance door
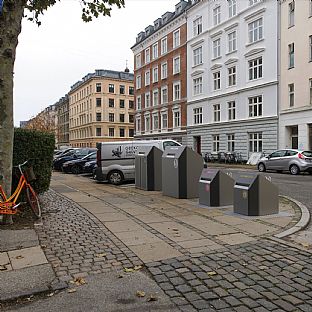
x,y
197,144
294,137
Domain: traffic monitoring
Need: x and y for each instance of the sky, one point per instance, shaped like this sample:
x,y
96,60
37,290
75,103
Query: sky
x,y
52,57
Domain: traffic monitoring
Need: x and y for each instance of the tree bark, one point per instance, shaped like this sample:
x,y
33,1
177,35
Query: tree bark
x,y
10,28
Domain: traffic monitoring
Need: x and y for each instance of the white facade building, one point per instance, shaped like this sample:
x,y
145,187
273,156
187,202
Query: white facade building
x,y
232,76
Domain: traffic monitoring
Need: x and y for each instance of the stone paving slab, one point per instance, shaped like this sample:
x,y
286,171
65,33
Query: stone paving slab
x,y
97,207
5,264
235,239
137,237
17,239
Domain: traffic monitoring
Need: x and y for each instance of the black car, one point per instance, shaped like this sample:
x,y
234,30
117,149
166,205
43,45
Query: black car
x,y
75,154
76,165
89,166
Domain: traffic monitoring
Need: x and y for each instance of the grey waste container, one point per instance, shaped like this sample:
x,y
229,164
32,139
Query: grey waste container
x,y
215,188
255,195
148,168
181,168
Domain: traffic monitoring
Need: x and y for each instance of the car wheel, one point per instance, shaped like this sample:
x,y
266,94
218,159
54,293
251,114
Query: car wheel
x,y
76,169
261,167
294,169
115,177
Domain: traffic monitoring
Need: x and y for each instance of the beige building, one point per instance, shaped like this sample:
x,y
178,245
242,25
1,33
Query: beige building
x,y
101,108
295,129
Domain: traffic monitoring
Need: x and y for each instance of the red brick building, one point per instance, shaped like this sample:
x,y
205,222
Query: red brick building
x,y
160,77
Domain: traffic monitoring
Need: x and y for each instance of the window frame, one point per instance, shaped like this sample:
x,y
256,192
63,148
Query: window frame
x,y
232,42
255,142
164,45
215,142
255,106
147,52
291,55
197,26
255,30
155,51
232,8
155,74
175,71
147,99
231,110
175,91
197,85
216,48
232,81
198,56
216,80
164,91
155,91
216,13
198,115
231,142
291,94
216,112
176,43
164,70
255,68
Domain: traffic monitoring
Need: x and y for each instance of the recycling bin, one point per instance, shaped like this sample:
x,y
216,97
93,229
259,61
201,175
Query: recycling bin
x,y
216,188
255,195
148,168
181,168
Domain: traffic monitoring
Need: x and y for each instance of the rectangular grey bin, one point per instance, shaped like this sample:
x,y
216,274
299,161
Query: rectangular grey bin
x,y
216,188
148,168
255,195
181,168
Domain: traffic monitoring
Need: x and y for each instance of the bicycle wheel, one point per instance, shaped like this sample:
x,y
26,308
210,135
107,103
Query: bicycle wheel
x,y
33,201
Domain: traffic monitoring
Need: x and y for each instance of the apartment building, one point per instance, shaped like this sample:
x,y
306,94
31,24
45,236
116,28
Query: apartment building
x,y
295,130
232,76
160,77
63,121
101,108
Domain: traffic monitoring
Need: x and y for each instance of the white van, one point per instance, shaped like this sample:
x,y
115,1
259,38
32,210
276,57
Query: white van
x,y
115,160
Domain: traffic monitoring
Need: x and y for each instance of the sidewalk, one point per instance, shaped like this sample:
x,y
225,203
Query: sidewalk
x,y
197,258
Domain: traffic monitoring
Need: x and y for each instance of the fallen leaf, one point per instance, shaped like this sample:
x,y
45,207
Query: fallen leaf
x,y
101,255
79,281
263,267
120,276
43,246
306,245
174,229
128,270
19,257
138,267
3,268
245,264
50,295
151,298
71,290
212,273
140,293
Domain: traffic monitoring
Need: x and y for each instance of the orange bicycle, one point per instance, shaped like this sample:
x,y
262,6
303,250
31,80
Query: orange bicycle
x,y
9,205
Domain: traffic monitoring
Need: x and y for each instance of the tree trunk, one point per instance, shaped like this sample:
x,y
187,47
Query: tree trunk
x,y
10,28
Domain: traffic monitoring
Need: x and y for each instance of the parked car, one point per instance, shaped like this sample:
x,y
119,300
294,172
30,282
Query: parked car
x,y
71,155
292,160
76,165
63,152
89,166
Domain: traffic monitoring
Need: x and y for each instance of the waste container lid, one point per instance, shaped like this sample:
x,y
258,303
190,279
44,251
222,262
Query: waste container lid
x,y
246,179
209,173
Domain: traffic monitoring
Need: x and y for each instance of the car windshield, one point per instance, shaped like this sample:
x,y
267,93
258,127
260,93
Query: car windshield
x,y
90,156
307,153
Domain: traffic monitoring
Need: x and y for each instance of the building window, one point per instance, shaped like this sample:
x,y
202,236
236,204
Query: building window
x,y
231,142
232,8
176,38
164,45
197,26
197,56
122,103
147,100
155,97
147,123
147,78
176,65
255,68
291,55
111,117
176,91
164,95
216,80
121,117
176,119
147,56
255,142
131,90
291,94
121,132
131,133
98,117
164,121
255,30
155,122
138,60
138,82
216,143
155,74
255,106
155,51
232,110
164,70
131,104
111,132
98,87
216,48
98,131
131,118
98,102
111,102
291,13
310,47
122,89
138,124
217,15
138,102
111,88
232,43
198,85
232,76
216,113
198,115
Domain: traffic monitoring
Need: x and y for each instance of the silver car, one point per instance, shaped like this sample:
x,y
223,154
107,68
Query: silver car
x,y
291,160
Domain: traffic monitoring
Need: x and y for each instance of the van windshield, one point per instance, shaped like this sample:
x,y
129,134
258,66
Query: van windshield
x,y
170,143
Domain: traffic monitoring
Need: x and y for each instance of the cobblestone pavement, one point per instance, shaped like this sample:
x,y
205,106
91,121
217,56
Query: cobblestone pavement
x,y
76,243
